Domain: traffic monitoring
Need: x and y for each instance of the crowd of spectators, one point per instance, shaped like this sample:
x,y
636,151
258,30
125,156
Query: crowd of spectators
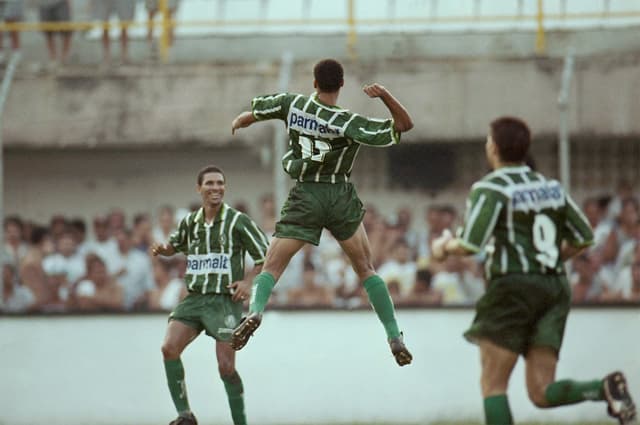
x,y
102,11
63,267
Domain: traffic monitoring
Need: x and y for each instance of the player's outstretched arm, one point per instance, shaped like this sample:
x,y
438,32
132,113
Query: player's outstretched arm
x,y
568,251
243,120
446,245
162,249
401,119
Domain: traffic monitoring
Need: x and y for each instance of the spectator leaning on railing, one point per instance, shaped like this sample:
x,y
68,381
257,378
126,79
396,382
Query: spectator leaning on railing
x,y
153,7
56,11
124,9
11,11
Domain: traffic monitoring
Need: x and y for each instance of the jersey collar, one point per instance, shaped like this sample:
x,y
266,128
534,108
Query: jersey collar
x,y
510,169
219,217
316,100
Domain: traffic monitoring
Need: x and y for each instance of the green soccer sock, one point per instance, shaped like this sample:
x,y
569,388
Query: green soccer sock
x,y
235,393
177,387
261,291
381,301
497,411
567,391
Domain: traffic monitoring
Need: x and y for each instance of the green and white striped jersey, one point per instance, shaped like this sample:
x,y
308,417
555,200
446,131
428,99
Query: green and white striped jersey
x,y
216,252
323,140
522,218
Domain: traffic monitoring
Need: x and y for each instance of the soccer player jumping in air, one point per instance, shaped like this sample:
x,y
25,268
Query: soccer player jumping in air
x,y
323,142
529,226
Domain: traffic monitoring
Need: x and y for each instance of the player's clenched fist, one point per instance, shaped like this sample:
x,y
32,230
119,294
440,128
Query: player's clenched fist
x,y
375,90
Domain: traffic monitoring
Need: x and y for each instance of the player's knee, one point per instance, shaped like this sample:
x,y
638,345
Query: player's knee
x,y
363,268
492,386
170,351
537,396
226,369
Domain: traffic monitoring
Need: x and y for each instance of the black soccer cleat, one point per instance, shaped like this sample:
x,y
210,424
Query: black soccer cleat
x,y
399,351
184,418
619,402
244,330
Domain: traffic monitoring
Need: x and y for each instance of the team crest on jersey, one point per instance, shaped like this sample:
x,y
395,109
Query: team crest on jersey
x,y
222,240
230,321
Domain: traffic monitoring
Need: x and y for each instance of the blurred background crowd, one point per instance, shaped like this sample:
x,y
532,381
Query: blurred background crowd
x,y
67,265
104,135
59,41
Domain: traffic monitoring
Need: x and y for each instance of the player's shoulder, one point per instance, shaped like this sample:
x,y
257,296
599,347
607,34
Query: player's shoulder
x,y
283,97
237,217
491,184
191,217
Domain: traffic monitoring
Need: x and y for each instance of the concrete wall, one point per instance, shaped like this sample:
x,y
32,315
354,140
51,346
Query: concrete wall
x,y
300,368
184,105
84,183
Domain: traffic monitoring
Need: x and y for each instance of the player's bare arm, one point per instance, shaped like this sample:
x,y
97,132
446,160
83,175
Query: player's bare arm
x,y
568,251
164,249
401,119
447,245
245,119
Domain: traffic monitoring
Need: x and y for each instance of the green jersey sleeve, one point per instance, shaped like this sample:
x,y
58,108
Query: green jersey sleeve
x,y
484,206
372,132
252,238
577,229
275,106
179,239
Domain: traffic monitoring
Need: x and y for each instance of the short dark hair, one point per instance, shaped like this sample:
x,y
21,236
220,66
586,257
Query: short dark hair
x,y
140,217
91,259
17,221
78,224
512,137
210,169
38,234
329,75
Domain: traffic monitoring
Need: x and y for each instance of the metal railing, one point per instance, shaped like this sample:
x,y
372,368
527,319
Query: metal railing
x,y
352,17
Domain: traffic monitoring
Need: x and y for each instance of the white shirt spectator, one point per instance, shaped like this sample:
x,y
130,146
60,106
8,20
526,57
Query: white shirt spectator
x,y
20,300
86,288
108,252
600,233
403,273
137,277
399,267
290,278
15,255
170,296
623,283
450,284
73,267
159,236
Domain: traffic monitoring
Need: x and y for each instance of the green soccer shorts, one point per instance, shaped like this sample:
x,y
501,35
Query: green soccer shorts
x,y
314,206
216,314
519,311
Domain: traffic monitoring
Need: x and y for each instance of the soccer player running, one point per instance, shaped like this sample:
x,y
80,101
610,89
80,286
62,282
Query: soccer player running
x,y
529,226
215,239
324,140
